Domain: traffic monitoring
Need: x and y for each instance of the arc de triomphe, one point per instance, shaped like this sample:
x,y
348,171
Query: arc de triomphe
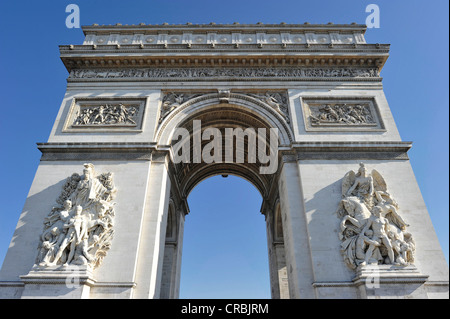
x,y
105,213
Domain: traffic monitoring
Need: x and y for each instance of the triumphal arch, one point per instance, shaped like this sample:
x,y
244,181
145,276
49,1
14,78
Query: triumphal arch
x,y
152,110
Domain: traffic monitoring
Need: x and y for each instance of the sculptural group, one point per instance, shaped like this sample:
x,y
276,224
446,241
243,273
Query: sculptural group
x,y
371,229
347,114
79,231
107,115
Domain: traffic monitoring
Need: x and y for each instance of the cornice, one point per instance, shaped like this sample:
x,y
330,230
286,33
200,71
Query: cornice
x,y
98,151
296,146
191,48
347,146
389,150
95,147
111,56
297,151
213,27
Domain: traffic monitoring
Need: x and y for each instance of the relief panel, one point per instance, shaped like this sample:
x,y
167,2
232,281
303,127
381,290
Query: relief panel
x,y
341,114
105,114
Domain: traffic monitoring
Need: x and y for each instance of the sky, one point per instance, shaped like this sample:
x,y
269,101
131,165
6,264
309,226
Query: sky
x,y
33,83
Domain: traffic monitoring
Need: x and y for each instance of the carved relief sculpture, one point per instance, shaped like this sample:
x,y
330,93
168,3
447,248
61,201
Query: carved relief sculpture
x,y
173,100
157,73
344,114
107,115
79,231
371,229
275,100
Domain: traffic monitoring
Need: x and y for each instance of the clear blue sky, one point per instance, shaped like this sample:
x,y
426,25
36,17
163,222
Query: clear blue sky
x,y
32,80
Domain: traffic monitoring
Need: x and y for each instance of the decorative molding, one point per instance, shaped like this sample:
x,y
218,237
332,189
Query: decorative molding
x,y
96,151
312,57
57,275
388,274
235,27
333,284
298,151
97,146
104,284
352,150
354,155
94,156
11,284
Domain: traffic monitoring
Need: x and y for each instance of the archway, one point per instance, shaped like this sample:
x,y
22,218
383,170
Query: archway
x,y
237,112
225,251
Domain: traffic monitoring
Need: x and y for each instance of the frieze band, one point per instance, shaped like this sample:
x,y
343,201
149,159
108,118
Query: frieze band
x,y
219,73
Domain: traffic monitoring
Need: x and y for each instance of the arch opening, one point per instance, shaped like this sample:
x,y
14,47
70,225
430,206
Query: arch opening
x,y
225,250
238,116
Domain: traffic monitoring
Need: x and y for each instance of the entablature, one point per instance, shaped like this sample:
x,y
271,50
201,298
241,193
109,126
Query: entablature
x,y
234,45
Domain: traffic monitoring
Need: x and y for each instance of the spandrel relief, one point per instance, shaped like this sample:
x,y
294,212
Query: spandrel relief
x,y
277,101
79,230
172,100
371,229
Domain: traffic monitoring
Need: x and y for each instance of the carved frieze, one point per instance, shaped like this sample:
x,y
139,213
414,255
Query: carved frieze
x,y
105,114
372,231
150,74
80,228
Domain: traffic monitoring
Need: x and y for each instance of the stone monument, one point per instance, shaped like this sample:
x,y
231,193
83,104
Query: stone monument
x,y
105,213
